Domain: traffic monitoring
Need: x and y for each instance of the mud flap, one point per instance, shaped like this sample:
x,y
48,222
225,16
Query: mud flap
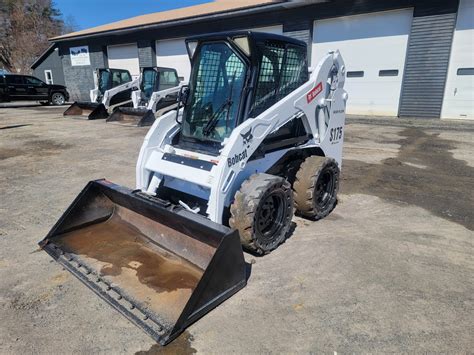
x,y
132,116
91,110
162,268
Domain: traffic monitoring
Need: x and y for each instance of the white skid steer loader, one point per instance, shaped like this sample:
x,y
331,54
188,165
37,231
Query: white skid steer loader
x,y
159,88
255,136
112,88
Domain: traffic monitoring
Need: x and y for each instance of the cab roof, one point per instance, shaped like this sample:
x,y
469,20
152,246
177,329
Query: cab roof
x,y
253,36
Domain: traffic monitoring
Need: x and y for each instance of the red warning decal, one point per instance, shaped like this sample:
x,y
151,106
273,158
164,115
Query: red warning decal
x,y
310,96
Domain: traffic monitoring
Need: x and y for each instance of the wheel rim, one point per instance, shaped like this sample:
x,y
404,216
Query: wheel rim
x,y
58,99
324,189
270,218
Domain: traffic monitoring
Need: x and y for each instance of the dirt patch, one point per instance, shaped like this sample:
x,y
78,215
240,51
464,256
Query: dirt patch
x,y
6,153
47,146
424,174
37,147
181,345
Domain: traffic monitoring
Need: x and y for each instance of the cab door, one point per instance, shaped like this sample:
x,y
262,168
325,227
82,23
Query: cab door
x,y
16,87
167,79
37,90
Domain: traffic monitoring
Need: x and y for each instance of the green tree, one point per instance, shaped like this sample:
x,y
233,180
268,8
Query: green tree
x,y
25,27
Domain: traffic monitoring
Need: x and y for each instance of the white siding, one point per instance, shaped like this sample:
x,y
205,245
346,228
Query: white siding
x,y
124,57
459,94
368,43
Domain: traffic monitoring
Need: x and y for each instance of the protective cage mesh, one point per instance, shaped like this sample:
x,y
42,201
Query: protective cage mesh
x,y
283,69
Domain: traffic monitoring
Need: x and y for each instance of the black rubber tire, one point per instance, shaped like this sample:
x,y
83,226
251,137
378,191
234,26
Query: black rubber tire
x,y
314,173
249,212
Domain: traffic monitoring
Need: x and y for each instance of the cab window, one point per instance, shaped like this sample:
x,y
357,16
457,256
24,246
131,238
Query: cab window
x,y
283,69
168,79
120,77
33,81
15,79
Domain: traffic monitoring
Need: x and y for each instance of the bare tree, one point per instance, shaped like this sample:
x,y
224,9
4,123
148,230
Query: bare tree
x,y
25,26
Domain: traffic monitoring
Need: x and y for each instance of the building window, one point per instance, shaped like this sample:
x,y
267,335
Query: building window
x,y
389,72
48,75
355,74
465,71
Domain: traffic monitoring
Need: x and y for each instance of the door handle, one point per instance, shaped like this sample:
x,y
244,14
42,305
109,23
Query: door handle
x,y
31,87
11,87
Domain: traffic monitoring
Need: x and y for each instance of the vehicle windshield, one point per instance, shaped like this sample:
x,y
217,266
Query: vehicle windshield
x,y
148,82
217,82
104,81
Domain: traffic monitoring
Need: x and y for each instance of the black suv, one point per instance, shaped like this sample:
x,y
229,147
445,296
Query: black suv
x,y
14,87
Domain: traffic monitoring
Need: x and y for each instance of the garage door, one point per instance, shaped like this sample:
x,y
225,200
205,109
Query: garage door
x,y
459,93
173,54
124,57
270,29
374,48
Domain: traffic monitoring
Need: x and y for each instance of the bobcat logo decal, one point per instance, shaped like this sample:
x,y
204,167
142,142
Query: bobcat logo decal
x,y
247,137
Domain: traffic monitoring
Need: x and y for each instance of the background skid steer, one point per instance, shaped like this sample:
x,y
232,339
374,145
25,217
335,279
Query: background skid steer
x,y
113,87
158,94
257,136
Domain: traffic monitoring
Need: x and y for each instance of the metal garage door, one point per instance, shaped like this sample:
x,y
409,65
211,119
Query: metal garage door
x,y
459,93
124,56
270,29
374,49
172,53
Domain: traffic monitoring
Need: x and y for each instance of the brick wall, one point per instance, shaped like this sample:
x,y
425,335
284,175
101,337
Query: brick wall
x,y
146,53
80,79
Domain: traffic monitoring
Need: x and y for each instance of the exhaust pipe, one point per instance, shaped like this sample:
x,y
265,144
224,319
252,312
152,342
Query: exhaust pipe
x,y
91,110
160,266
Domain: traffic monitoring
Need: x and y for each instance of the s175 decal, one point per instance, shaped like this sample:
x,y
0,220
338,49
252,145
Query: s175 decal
x,y
335,134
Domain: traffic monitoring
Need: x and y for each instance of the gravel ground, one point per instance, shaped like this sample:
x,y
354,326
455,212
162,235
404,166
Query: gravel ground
x,y
391,269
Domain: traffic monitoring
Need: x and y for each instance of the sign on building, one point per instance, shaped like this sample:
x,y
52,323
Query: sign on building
x,y
79,56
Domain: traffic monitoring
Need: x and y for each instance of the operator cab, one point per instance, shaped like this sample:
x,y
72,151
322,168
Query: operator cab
x,y
155,79
111,78
236,76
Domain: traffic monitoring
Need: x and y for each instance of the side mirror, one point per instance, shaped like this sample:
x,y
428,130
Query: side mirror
x,y
183,97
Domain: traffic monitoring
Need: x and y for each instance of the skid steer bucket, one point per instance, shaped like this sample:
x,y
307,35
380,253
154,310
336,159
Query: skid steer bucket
x,y
130,116
161,268
90,110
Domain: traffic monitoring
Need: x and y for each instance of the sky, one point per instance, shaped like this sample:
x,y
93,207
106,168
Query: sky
x,y
91,13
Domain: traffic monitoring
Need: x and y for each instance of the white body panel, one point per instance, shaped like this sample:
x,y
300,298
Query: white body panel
x,y
368,43
172,53
124,57
459,94
156,97
109,94
324,89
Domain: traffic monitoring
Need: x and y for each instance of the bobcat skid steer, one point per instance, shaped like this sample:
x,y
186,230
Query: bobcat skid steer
x,y
113,87
159,88
255,136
